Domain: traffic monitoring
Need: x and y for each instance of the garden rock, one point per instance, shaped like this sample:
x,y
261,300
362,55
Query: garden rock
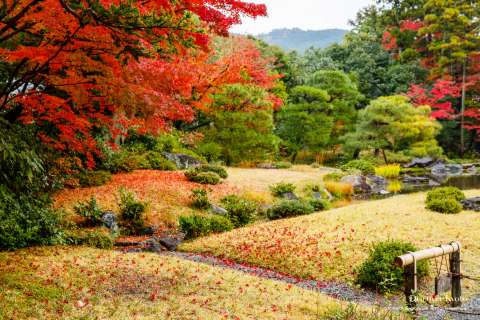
x,y
218,210
153,245
149,231
182,161
378,184
170,243
109,220
420,162
470,169
289,196
447,169
415,180
266,166
359,183
471,204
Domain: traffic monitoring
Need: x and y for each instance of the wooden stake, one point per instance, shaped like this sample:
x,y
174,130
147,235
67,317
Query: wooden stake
x,y
456,279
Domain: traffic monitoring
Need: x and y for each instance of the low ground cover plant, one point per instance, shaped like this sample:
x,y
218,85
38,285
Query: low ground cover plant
x,y
240,211
90,211
379,272
364,166
195,226
132,212
445,200
390,171
96,238
281,188
289,208
283,165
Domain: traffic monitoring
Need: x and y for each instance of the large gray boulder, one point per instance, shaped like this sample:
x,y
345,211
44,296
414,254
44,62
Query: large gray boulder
x,y
441,169
289,196
359,183
471,204
420,162
182,161
109,220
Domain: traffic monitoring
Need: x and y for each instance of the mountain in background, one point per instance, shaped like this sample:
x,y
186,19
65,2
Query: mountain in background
x,y
300,40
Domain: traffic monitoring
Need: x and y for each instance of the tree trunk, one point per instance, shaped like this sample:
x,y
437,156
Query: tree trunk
x,y
384,156
462,111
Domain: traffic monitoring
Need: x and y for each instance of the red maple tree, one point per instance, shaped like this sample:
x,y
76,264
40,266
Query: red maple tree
x,y
66,61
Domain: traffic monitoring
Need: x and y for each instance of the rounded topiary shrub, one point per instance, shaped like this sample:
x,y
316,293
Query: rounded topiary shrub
x,y
240,211
213,168
203,177
366,167
380,273
200,199
446,205
446,192
289,208
445,200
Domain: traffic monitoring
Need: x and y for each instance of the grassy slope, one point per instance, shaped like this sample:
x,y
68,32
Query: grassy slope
x,y
168,193
329,245
83,283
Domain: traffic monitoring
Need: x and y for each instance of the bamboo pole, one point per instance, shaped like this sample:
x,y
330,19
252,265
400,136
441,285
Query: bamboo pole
x,y
444,249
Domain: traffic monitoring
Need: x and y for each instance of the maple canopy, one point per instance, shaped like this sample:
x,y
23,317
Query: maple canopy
x,y
72,66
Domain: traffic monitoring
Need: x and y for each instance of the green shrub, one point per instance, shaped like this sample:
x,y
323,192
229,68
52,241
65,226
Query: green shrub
x,y
212,168
289,208
444,193
283,165
132,212
380,273
282,188
353,312
364,166
320,204
334,176
93,238
445,200
200,199
90,211
219,224
447,206
240,211
195,226
211,151
202,177
94,178
125,161
26,220
138,142
157,162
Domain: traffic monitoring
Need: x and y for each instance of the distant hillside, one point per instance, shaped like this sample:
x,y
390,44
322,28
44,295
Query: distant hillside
x,y
300,40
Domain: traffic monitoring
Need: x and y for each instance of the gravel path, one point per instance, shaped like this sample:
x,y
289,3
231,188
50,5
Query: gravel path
x,y
336,290
341,291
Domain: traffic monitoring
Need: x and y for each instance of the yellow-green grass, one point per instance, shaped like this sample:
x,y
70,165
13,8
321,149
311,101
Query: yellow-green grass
x,y
85,283
259,180
330,245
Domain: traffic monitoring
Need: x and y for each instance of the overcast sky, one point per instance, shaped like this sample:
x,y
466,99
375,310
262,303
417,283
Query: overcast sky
x,y
303,14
